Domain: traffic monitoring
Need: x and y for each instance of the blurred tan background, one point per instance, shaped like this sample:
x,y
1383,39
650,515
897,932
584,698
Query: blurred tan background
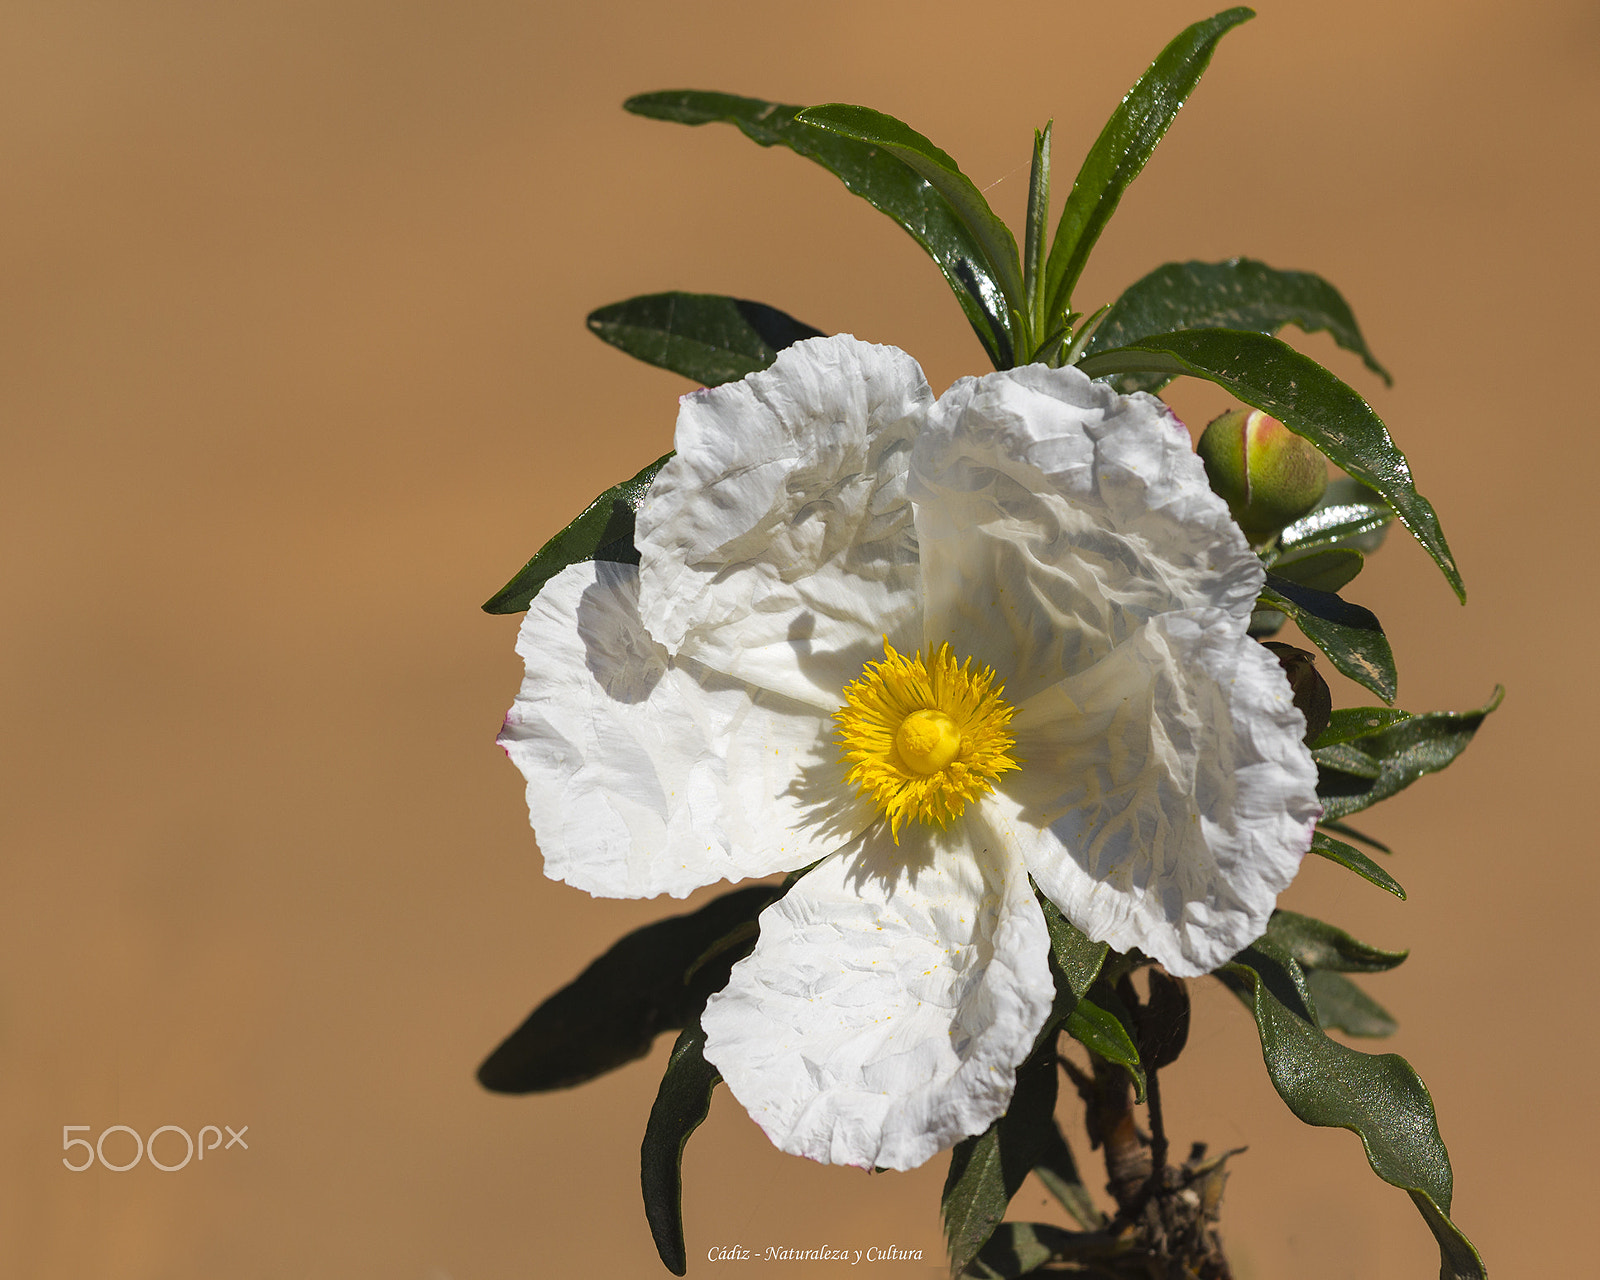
x,y
293,375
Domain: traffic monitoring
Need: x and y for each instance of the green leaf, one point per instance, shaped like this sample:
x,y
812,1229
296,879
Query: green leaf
x,y
655,979
1283,974
883,181
1326,570
1036,236
1349,723
1271,375
1347,633
1343,1006
1237,294
1377,1096
986,1170
1018,1249
1402,753
1345,829
682,1104
1075,957
905,144
1316,944
704,336
1102,1026
1325,846
603,532
1349,515
1056,1168
1124,145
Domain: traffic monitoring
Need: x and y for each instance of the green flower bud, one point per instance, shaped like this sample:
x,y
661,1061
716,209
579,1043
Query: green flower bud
x,y
1268,476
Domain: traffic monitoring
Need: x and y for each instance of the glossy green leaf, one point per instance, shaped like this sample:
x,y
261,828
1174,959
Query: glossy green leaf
x,y
1124,145
883,181
1402,753
986,1170
1343,1006
1347,759
1306,398
1237,294
1101,1024
1326,570
653,980
1347,633
603,532
1349,723
704,336
1325,846
1058,1170
1377,1096
1349,515
1315,944
1035,240
682,1104
905,144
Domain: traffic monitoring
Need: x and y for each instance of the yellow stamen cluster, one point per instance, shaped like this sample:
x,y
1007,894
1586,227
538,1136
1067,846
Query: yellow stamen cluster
x,y
925,735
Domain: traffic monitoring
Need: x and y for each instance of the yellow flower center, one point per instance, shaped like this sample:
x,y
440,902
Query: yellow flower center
x,y
925,735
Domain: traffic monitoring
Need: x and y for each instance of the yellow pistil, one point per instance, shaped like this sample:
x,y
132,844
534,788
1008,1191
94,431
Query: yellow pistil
x,y
925,736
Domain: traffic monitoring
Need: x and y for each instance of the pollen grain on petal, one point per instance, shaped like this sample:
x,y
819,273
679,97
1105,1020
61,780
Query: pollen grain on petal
x,y
925,735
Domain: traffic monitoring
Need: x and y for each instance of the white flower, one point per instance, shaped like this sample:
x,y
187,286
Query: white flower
x,y
940,647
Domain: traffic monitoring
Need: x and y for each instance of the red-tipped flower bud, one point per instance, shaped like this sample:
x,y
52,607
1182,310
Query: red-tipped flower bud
x,y
1268,476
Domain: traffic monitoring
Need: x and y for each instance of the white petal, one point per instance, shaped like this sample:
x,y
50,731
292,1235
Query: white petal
x,y
1165,797
1055,517
891,996
649,776
778,546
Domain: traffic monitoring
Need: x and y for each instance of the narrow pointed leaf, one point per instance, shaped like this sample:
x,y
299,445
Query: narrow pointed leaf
x,y
682,1104
883,181
1347,633
905,144
1129,138
1326,570
1036,236
1272,376
705,336
1343,1006
1101,1025
1377,1096
1325,846
1237,294
655,979
1402,752
986,1170
603,532
1345,829
1315,944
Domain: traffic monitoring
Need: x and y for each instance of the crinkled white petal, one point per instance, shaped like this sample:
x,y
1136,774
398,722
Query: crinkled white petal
x,y
778,545
891,996
1166,797
650,776
1054,517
